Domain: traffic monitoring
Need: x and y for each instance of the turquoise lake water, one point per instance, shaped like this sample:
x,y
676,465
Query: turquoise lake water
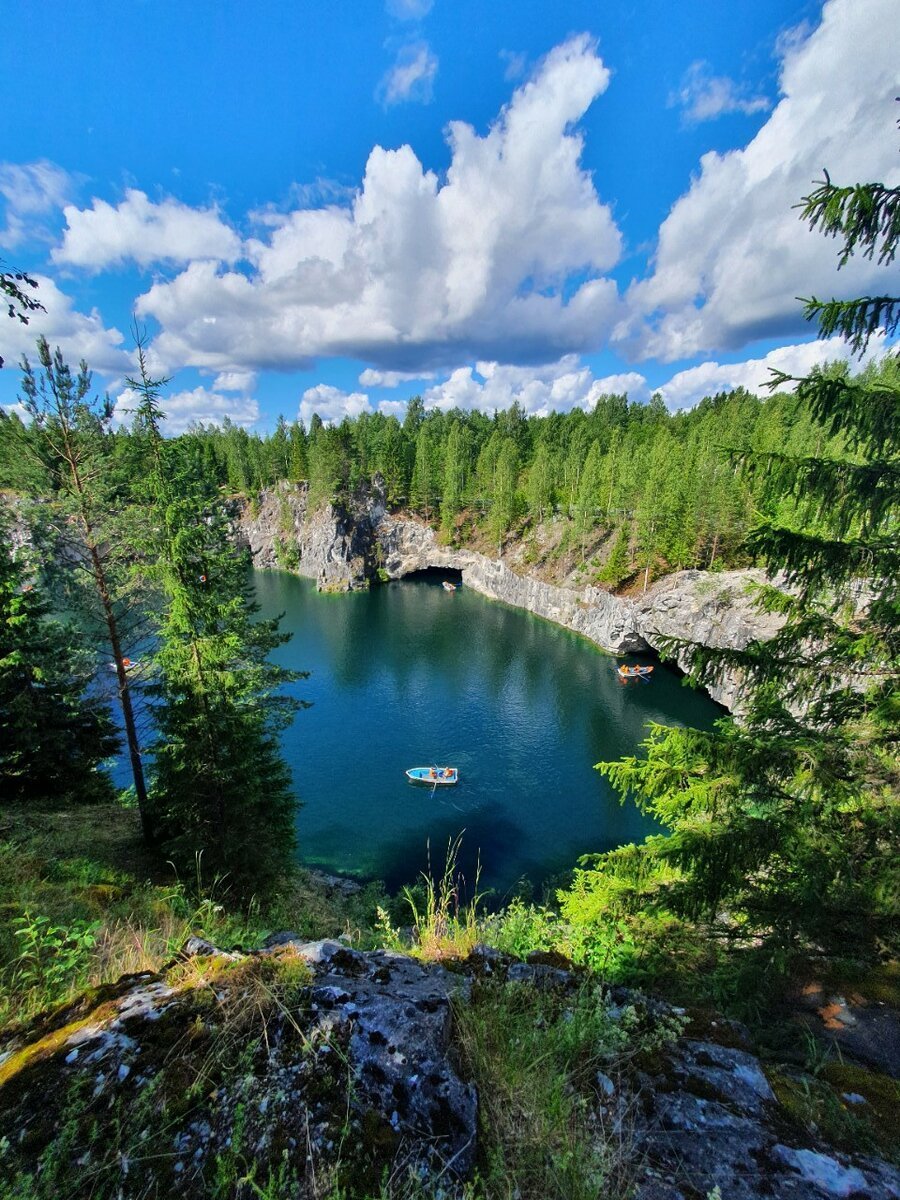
x,y
409,675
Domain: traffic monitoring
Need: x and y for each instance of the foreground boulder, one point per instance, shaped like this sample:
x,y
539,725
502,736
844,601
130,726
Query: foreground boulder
x,y
310,1070
228,1072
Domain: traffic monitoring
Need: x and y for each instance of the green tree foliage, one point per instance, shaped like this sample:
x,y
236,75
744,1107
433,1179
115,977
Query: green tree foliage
x,y
783,826
69,434
617,567
504,478
53,733
695,512
16,287
221,788
456,475
423,488
299,468
865,217
329,468
587,505
540,485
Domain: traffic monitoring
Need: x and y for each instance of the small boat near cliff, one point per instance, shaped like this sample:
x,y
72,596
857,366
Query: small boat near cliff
x,y
634,672
433,776
448,586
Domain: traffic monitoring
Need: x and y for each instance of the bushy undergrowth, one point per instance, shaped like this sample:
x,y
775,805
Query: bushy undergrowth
x,y
433,920
70,919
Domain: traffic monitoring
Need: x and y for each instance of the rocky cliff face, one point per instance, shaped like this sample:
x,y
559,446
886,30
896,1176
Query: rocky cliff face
x,y
334,546
343,549
329,1071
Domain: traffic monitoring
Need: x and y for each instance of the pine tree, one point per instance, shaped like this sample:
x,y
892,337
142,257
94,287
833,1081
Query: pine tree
x,y
53,733
784,826
69,433
221,788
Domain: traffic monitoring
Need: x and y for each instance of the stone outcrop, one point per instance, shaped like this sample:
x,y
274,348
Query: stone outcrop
x,y
342,549
336,1069
332,545
309,1054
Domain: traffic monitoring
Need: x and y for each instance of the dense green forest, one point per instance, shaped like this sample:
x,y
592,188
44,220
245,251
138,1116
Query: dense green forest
x,y
659,490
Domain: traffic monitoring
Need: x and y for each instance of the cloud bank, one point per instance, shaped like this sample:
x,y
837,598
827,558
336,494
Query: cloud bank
x,y
732,255
418,273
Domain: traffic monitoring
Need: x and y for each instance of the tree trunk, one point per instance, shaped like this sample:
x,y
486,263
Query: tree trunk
x,y
131,737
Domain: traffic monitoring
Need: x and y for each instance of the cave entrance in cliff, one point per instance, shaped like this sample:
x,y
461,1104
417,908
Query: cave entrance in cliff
x,y
436,575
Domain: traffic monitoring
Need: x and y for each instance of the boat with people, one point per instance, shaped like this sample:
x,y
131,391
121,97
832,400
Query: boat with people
x,y
448,586
434,776
639,672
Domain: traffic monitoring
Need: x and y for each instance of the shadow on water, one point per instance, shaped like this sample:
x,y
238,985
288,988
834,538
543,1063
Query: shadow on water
x,y
411,674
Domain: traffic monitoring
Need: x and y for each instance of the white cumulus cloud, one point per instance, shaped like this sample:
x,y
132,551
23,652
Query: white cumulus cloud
x,y
79,335
142,231
234,381
196,406
502,259
331,404
687,388
371,377
733,254
554,387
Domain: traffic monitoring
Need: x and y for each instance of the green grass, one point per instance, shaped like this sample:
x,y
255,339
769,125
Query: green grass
x,y
82,902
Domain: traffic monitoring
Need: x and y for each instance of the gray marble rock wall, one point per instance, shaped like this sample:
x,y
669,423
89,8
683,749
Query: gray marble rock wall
x,y
342,550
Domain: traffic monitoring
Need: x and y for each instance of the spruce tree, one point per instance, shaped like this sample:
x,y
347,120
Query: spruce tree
x,y
221,789
422,489
54,734
783,825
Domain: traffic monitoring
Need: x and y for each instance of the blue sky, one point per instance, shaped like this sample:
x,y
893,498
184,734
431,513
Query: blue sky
x,y
330,207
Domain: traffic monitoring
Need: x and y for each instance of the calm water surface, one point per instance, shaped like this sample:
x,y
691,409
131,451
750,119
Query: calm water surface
x,y
409,675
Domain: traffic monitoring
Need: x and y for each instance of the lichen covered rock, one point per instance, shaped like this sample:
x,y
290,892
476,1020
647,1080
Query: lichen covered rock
x,y
309,1069
308,1061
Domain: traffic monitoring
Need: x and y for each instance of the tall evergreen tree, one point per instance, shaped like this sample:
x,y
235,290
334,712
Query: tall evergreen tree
x,y
54,733
69,427
784,825
221,787
422,489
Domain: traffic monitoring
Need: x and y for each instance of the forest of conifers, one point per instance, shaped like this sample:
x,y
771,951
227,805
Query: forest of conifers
x,y
662,488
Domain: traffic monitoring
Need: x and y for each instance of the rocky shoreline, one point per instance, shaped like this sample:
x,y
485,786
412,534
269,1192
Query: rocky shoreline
x,y
344,549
